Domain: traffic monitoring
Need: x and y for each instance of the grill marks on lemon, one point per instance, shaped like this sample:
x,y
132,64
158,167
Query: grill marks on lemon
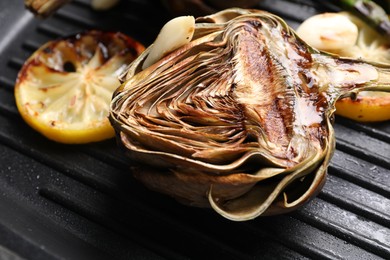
x,y
64,89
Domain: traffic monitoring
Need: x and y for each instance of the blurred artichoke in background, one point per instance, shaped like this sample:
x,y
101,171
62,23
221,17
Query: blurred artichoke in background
x,y
239,118
45,8
201,7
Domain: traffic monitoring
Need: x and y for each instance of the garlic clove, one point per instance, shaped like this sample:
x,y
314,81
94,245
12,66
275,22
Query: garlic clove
x,y
174,34
328,31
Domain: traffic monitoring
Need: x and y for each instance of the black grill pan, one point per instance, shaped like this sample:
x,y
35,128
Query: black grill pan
x,y
80,202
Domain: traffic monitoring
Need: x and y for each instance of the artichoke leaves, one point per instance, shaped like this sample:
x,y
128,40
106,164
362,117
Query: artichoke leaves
x,y
239,118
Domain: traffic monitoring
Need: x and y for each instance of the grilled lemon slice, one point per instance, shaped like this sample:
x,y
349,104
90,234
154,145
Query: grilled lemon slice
x,y
64,89
369,106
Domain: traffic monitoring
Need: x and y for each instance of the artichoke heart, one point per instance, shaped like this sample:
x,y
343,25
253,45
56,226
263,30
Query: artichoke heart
x,y
240,118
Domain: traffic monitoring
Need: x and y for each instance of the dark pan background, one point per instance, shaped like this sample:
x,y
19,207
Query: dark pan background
x,y
80,202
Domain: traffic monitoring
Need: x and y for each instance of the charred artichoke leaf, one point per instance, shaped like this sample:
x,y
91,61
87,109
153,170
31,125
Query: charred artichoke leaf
x,y
266,199
238,119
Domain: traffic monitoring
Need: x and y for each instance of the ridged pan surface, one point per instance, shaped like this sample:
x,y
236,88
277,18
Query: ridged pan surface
x,y
80,201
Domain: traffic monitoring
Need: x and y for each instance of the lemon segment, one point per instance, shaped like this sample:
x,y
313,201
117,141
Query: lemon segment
x,y
368,107
64,89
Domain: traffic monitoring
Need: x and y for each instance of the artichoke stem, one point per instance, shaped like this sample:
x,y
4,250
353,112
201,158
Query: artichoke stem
x,y
383,81
346,77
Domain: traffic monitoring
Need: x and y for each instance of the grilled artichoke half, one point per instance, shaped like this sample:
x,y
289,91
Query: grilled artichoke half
x,y
239,118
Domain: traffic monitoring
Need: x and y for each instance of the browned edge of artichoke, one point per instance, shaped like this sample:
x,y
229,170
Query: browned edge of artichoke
x,y
243,207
